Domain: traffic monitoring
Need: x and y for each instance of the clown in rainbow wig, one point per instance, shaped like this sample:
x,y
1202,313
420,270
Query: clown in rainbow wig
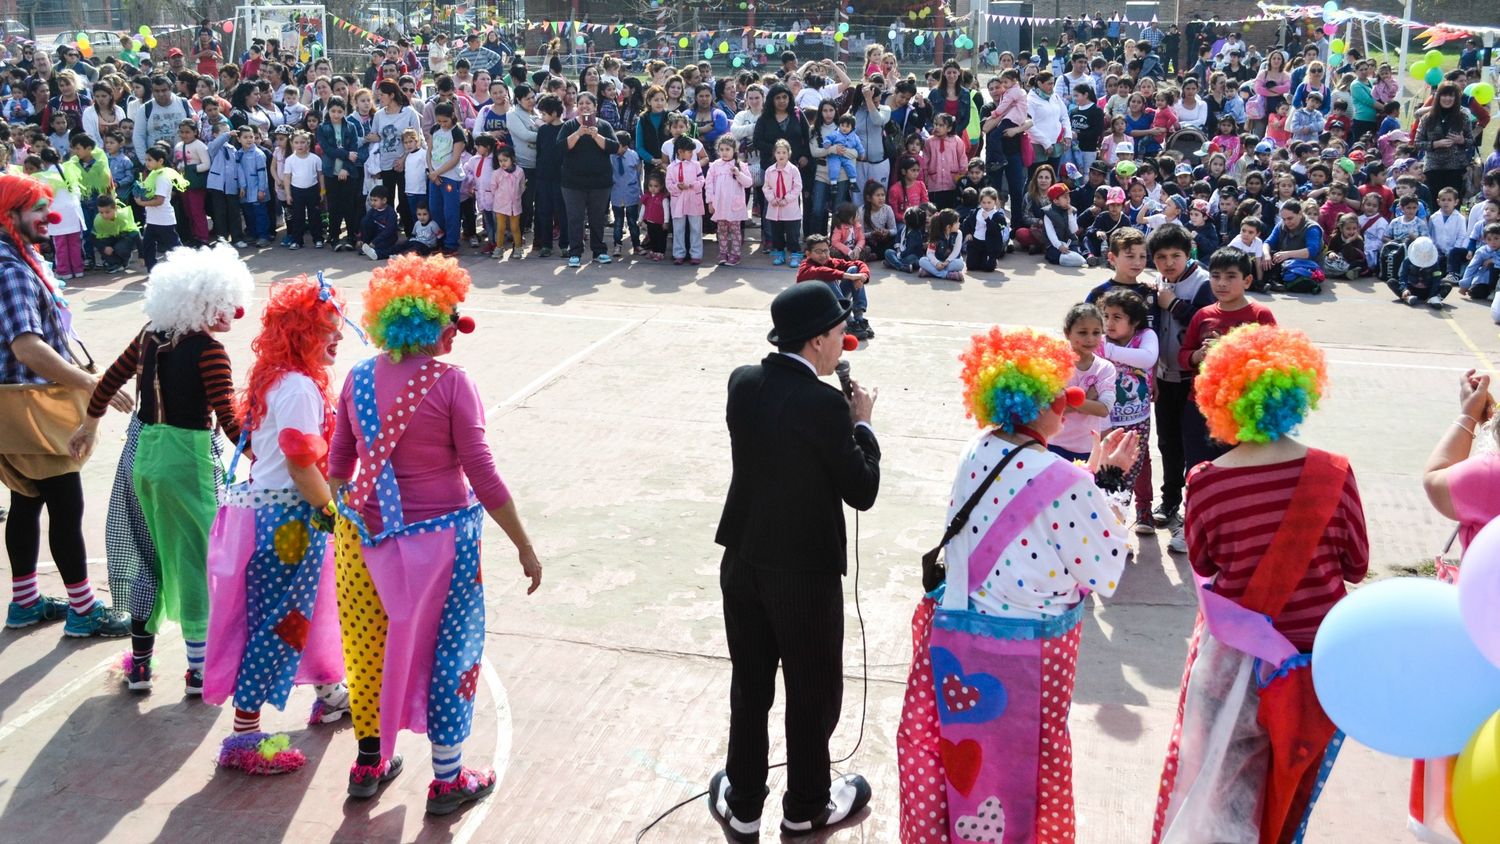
x,y
409,441
274,619
1274,530
1029,535
186,390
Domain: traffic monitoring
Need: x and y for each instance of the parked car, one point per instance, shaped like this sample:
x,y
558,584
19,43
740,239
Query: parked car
x,y
11,28
104,42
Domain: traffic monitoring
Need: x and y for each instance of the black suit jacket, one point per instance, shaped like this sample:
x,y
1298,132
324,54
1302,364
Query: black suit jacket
x,y
797,459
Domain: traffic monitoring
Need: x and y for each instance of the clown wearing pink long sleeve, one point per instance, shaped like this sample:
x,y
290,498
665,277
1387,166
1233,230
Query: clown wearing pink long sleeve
x,y
410,441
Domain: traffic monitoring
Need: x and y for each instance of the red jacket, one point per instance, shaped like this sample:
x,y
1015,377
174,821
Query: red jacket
x,y
831,272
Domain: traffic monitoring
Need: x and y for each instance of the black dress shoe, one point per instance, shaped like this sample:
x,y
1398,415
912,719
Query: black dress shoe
x,y
846,796
718,806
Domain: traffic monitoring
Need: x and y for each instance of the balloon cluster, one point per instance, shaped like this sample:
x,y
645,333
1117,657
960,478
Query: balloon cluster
x,y
85,49
1411,667
147,38
1430,68
1483,93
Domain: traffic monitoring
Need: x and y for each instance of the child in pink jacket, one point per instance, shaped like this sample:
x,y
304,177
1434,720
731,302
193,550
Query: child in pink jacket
x,y
945,159
724,191
783,218
507,183
685,187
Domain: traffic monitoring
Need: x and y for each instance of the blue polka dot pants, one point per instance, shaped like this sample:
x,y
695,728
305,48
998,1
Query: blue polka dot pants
x,y
281,589
460,644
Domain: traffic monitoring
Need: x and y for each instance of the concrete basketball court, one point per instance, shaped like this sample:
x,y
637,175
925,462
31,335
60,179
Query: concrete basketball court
x,y
605,698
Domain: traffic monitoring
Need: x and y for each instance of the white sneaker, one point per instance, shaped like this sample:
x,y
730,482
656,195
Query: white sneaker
x,y
1178,543
718,806
1434,301
369,252
1144,527
846,796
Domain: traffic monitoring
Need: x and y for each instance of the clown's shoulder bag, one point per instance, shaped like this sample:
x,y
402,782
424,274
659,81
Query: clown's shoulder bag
x,y
934,572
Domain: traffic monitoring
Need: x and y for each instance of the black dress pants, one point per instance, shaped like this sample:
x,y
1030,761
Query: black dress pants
x,y
795,619
1171,401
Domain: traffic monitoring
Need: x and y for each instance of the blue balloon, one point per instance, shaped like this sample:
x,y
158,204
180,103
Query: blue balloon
x,y
1395,669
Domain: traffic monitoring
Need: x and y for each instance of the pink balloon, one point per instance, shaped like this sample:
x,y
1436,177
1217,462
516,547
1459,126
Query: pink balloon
x,y
1330,28
228,26
1479,590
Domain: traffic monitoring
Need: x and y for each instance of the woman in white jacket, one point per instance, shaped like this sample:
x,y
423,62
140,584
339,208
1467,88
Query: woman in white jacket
x,y
102,115
742,129
1050,124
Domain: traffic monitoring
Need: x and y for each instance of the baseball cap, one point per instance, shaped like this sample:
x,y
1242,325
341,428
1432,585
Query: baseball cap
x,y
1183,170
1099,166
1056,191
1116,196
1329,155
1072,172
1126,168
173,52
1265,147
1125,146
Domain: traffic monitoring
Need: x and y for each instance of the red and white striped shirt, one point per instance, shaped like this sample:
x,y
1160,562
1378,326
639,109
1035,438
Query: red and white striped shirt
x,y
1231,516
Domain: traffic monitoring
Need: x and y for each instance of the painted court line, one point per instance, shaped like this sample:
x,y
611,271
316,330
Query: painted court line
x,y
40,708
503,733
568,363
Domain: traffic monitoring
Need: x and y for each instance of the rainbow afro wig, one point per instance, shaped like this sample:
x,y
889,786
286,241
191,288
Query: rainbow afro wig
x,y
411,300
1258,383
1010,377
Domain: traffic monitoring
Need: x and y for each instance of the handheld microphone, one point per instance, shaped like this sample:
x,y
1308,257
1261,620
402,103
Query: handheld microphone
x,y
841,369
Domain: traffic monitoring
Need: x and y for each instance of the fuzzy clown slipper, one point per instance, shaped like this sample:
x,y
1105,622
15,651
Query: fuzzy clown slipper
x,y
261,754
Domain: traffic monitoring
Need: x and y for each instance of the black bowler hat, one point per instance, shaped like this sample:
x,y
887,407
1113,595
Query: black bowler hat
x,y
803,311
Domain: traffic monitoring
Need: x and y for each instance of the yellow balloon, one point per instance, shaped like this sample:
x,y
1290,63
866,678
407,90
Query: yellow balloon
x,y
723,46
682,42
151,42
791,38
83,39
1476,780
838,36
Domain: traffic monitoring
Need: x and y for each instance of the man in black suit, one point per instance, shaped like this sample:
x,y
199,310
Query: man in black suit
x,y
801,450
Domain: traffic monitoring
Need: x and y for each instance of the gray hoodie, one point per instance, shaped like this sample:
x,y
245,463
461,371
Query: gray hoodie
x,y
522,126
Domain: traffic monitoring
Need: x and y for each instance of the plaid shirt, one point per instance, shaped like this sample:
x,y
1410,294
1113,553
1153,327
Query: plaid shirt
x,y
24,309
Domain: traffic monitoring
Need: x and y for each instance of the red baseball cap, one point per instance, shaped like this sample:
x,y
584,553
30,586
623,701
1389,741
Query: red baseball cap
x,y
173,52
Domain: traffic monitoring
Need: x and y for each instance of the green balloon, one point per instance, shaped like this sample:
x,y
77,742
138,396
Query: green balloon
x,y
771,49
918,40
708,54
1434,57
1419,71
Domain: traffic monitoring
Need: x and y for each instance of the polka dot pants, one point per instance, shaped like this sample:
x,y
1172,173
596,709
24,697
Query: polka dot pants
x,y
281,588
363,624
460,644
924,782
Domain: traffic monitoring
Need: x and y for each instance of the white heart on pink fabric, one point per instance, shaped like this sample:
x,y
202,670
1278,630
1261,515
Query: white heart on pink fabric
x,y
985,826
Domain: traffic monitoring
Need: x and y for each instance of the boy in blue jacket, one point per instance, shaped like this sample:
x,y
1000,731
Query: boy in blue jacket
x,y
255,187
379,228
224,188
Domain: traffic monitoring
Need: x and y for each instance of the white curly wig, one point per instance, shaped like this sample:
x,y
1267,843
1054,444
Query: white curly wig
x,y
191,289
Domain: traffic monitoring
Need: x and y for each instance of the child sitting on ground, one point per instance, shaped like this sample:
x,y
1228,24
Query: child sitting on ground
x,y
1060,226
424,235
944,258
378,230
913,243
846,277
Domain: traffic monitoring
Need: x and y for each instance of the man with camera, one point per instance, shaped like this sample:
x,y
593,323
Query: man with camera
x,y
800,451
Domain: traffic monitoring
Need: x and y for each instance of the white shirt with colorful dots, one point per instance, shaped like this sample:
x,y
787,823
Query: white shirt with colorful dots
x,y
1075,543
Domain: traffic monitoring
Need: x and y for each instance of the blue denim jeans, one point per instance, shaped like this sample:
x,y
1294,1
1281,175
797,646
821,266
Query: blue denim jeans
x,y
627,215
443,204
823,202
257,220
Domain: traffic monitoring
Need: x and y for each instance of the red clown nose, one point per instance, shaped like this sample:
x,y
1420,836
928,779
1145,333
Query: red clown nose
x,y
850,342
239,313
54,218
1074,396
465,325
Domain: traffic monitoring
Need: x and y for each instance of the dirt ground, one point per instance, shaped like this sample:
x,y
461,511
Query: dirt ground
x,y
605,698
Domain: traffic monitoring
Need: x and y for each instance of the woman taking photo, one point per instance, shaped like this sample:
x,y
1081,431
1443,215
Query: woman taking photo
x,y
394,116
588,142
1446,137
1029,533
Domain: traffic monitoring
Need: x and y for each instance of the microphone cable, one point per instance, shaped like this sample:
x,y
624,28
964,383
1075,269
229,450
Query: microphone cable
x,y
864,699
